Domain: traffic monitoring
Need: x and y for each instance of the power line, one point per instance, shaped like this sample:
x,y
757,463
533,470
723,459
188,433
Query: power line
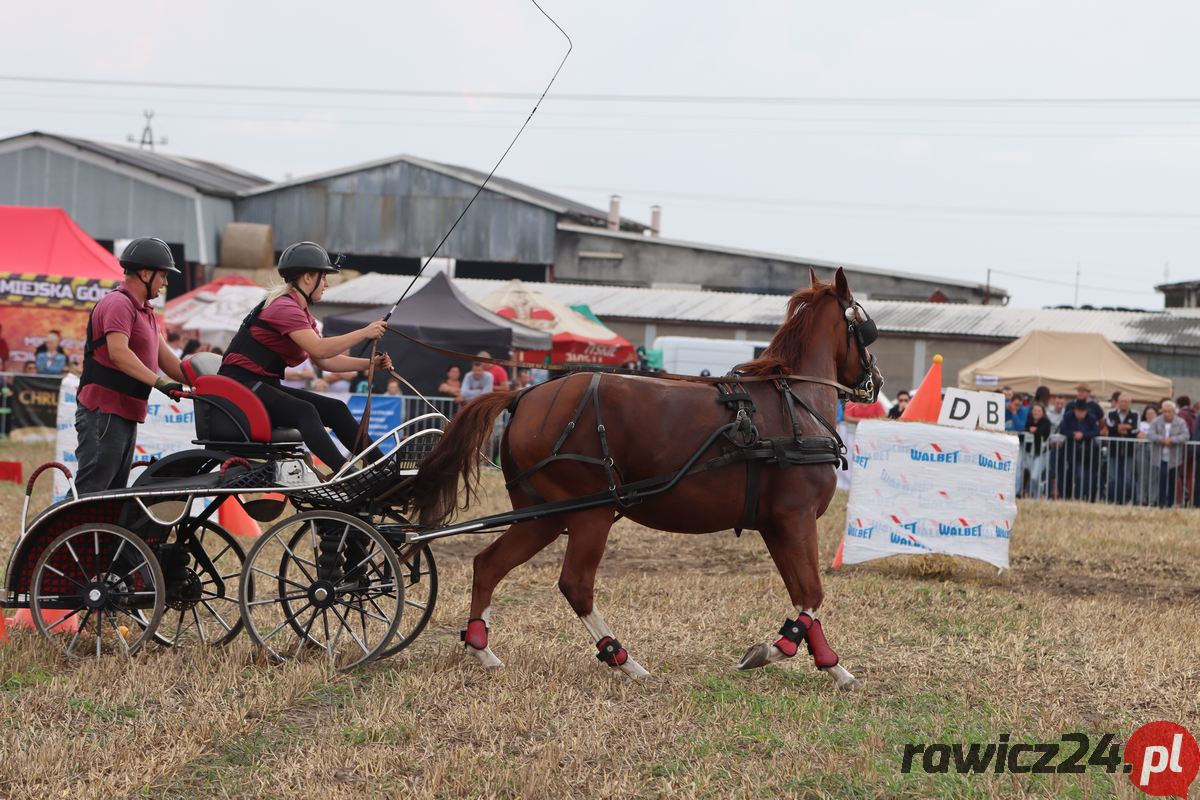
x,y
608,129
1139,102
915,208
1069,284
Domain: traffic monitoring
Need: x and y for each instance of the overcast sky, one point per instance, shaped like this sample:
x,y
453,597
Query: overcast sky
x,y
1027,189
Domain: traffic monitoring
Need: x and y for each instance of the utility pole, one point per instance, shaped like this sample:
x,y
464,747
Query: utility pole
x,y
1077,284
987,290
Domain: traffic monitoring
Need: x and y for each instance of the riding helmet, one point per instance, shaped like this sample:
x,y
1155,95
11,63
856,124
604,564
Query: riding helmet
x,y
303,257
147,252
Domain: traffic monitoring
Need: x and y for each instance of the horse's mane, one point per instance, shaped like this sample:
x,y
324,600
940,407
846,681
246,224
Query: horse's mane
x,y
786,346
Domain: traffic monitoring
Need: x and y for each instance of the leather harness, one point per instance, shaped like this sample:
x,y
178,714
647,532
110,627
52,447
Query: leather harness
x,y
745,446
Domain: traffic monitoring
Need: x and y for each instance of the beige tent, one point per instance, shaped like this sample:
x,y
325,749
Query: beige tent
x,y
1062,361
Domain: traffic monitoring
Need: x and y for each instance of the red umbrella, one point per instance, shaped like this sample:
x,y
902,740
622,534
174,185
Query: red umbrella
x,y
576,339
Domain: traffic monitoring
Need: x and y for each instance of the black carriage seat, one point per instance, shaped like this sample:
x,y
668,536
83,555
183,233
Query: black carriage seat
x,y
227,413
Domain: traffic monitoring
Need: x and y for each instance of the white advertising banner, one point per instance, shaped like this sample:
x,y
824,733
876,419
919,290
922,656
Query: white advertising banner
x,y
169,427
918,488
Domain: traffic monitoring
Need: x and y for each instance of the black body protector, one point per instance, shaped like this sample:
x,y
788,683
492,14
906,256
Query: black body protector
x,y
297,260
146,252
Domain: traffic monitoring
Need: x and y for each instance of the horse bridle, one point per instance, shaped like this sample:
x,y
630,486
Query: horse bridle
x,y
861,329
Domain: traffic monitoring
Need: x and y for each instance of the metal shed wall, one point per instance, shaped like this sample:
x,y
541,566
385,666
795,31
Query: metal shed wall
x,y
113,201
401,210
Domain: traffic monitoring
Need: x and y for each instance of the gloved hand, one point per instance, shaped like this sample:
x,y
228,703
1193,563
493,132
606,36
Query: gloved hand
x,y
171,389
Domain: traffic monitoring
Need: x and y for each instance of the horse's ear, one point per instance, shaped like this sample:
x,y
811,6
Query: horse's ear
x,y
839,282
812,274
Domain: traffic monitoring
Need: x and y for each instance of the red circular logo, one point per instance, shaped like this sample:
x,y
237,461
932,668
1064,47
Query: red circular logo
x,y
1162,759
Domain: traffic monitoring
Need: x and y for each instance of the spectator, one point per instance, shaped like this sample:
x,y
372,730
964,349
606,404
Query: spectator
x,y
1036,450
299,376
359,383
1168,433
1184,410
4,353
1007,391
857,412
1193,459
499,376
479,381
1080,430
393,387
30,368
1145,470
1015,414
1084,392
1042,395
1056,409
902,398
175,343
524,379
1122,424
50,358
192,346
452,385
338,382
220,351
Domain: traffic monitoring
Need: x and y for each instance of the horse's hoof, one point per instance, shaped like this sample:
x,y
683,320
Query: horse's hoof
x,y
757,656
842,679
487,658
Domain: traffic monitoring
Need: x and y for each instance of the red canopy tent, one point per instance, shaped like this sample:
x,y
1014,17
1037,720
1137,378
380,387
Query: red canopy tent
x,y
576,339
51,274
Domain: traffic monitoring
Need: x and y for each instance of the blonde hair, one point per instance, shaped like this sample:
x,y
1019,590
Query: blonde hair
x,y
276,291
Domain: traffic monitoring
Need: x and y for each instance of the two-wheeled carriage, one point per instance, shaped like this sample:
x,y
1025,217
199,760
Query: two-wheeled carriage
x,y
109,572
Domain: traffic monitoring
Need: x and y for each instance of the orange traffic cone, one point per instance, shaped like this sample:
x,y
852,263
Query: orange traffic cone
x,y
926,404
234,519
24,619
837,557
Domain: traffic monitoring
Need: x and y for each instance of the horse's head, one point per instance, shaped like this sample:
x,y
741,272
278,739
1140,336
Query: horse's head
x,y
856,366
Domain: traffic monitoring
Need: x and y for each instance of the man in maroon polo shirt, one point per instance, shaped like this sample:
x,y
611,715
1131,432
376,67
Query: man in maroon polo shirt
x,y
124,351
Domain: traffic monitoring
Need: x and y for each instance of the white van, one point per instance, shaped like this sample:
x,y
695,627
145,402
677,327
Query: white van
x,y
691,355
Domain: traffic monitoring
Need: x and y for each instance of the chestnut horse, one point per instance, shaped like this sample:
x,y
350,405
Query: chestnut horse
x,y
617,429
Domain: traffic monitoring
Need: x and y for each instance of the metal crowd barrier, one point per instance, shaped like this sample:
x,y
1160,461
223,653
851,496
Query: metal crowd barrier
x,y
1107,469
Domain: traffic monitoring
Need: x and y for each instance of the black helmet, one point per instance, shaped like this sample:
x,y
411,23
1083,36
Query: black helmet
x,y
303,257
148,252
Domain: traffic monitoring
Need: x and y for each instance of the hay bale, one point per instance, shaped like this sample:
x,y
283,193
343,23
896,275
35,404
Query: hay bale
x,y
247,246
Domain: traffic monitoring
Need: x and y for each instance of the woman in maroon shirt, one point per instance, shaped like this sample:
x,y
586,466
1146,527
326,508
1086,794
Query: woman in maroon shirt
x,y
281,333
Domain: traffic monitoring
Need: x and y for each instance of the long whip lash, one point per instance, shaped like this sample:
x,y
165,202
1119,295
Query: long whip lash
x,y
361,439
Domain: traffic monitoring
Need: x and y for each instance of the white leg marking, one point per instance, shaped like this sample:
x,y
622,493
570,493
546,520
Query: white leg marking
x,y
598,629
842,677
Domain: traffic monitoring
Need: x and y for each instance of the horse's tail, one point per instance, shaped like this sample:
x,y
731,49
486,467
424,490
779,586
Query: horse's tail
x,y
435,489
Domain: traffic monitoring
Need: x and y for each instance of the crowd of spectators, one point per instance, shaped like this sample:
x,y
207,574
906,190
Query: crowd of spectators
x,y
1075,448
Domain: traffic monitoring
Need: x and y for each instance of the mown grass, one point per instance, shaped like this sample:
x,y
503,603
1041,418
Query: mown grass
x,y
1094,630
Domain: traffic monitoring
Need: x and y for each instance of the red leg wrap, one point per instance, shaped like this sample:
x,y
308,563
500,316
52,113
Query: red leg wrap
x,y
787,646
618,658
822,653
476,634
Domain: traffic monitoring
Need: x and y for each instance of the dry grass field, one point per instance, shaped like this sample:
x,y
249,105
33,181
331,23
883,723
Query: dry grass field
x,y
1095,629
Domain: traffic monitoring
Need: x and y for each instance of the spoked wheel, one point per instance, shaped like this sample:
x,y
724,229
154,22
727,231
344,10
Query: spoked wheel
x,y
203,574
326,584
418,576
103,589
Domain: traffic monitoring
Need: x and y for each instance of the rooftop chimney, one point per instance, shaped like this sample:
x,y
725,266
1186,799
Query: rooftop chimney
x,y
614,213
655,220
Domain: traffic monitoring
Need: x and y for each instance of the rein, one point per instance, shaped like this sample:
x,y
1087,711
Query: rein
x,y
842,389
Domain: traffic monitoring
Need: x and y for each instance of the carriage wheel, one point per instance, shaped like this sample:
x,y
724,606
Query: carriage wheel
x,y
418,575
326,582
106,587
202,593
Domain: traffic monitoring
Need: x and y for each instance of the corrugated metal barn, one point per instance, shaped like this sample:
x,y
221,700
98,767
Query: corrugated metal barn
x,y
116,192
